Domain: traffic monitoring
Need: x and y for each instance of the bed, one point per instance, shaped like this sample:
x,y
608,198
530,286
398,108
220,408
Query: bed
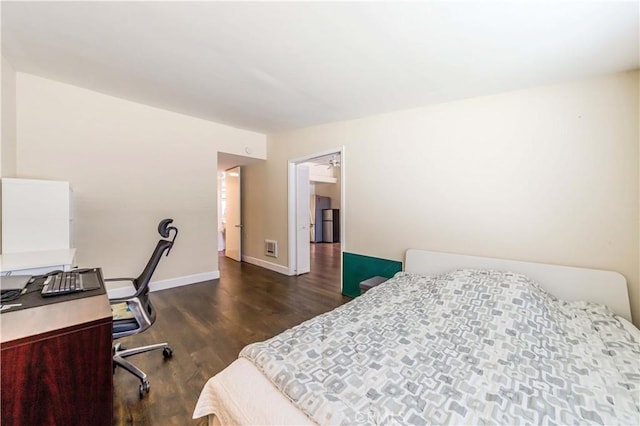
x,y
452,339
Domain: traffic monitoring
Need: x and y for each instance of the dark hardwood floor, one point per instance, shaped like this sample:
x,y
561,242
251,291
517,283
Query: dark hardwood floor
x,y
207,324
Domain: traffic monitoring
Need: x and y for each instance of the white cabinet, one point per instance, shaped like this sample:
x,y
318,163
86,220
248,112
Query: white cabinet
x,y
37,262
36,215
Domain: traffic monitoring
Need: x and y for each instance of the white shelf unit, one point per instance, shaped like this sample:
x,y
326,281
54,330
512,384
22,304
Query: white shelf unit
x,y
37,215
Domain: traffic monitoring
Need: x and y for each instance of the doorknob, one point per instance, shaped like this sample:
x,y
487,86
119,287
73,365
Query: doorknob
x,y
238,226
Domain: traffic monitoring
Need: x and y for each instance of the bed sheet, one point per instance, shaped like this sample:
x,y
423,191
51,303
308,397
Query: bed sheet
x,y
466,347
241,394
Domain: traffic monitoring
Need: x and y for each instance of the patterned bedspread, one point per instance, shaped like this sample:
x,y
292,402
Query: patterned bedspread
x,y
468,347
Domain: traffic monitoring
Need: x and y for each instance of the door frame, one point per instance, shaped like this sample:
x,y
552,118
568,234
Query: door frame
x,y
292,189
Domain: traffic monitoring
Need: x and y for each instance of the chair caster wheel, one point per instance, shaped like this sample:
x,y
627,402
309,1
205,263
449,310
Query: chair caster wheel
x,y
167,352
144,388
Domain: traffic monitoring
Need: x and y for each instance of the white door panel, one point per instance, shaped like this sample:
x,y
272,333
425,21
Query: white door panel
x,y
233,230
303,248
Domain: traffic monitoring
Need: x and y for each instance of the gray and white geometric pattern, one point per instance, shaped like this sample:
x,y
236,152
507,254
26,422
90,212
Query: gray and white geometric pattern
x,y
469,347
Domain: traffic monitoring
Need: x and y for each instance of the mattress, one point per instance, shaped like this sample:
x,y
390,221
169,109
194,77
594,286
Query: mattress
x,y
472,346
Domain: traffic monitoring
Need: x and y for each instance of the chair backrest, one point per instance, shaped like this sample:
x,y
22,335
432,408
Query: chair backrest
x,y
142,282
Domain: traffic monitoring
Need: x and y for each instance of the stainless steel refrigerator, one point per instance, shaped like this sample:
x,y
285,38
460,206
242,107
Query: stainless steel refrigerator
x,y
318,204
331,226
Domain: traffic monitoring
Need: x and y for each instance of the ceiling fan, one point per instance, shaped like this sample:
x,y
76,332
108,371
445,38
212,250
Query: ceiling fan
x,y
334,162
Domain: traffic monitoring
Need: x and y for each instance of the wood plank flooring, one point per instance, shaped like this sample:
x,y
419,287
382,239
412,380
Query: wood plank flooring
x,y
207,324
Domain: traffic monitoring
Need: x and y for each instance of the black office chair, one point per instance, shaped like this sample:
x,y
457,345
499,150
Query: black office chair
x,y
134,314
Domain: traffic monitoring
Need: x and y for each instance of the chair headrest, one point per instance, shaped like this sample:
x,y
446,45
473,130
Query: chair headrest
x,y
165,230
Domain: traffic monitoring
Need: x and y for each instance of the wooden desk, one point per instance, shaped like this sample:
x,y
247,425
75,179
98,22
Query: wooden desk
x,y
56,364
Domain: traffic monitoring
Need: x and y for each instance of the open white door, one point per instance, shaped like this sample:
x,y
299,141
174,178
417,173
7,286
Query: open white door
x,y
299,207
233,231
303,249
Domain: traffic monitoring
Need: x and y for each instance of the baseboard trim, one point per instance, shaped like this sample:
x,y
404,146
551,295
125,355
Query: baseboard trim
x,y
165,284
284,270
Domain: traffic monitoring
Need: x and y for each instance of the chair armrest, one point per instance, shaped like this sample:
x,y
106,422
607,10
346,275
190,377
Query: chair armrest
x,y
121,299
119,279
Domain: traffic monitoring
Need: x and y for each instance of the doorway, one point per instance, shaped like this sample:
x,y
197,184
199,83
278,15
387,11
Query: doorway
x,y
325,178
232,214
229,202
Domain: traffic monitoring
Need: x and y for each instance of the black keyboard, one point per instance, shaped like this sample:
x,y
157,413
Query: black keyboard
x,y
63,283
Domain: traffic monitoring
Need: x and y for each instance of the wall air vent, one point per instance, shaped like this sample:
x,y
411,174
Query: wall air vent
x,y
271,248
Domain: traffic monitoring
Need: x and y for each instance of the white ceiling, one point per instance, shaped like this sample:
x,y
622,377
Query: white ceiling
x,y
274,66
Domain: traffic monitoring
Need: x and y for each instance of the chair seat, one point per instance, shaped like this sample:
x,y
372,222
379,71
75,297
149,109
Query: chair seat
x,y
131,317
121,311
120,326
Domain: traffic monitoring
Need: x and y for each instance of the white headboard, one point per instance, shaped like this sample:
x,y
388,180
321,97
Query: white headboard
x,y
565,282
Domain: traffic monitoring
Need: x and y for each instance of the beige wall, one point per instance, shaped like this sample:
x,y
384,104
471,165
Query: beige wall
x,y
547,174
331,190
8,120
7,124
130,165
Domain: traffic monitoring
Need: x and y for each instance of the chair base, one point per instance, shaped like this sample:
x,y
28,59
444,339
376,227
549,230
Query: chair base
x,y
120,353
